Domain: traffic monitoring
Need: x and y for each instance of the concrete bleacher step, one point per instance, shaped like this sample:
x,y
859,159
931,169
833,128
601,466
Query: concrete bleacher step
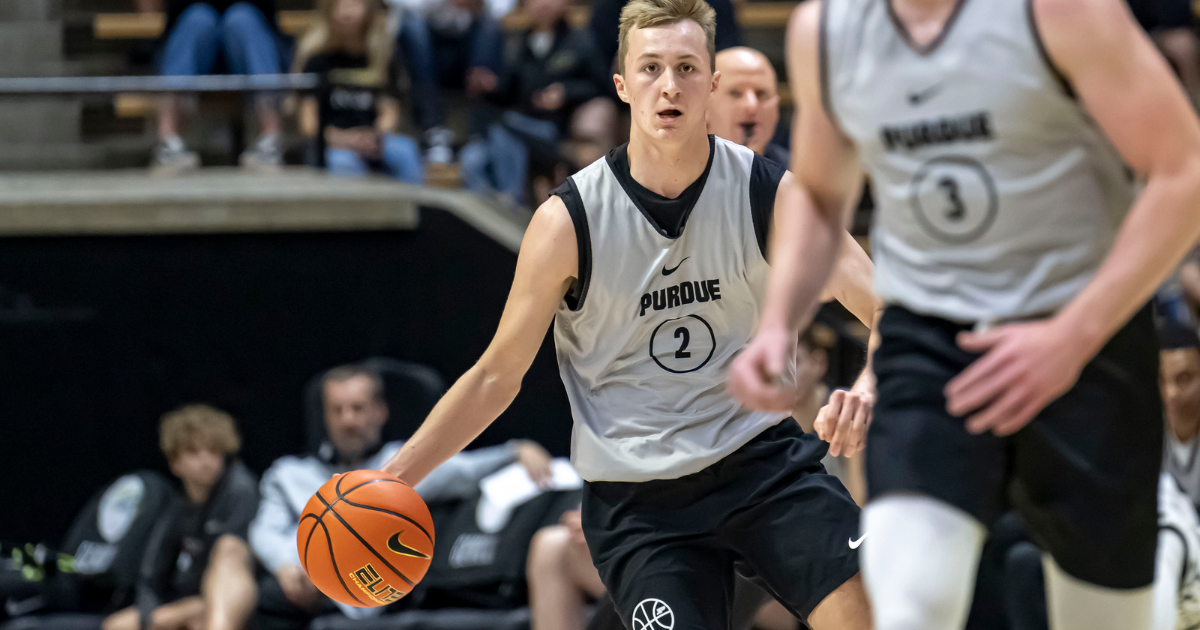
x,y
22,43
29,120
30,10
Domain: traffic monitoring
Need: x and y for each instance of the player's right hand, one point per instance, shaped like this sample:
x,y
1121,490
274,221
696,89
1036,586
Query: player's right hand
x,y
756,377
844,420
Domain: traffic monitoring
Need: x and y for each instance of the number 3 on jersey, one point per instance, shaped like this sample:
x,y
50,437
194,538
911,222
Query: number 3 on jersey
x,y
682,344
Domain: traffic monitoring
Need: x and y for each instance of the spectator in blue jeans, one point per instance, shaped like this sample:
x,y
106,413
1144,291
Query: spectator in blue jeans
x,y
449,44
353,116
197,33
553,90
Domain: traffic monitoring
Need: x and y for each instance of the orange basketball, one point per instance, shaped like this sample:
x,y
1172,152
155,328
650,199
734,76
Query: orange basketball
x,y
365,538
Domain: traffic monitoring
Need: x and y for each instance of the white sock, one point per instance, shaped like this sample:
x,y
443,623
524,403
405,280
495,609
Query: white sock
x,y
1073,604
919,561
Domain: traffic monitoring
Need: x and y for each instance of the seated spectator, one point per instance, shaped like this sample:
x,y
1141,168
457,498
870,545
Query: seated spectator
x,y
449,44
1170,25
745,107
553,87
197,569
355,413
352,118
243,34
1180,379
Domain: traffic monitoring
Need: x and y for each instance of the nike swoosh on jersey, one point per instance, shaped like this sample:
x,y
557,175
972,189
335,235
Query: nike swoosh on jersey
x,y
667,272
396,546
916,98
854,544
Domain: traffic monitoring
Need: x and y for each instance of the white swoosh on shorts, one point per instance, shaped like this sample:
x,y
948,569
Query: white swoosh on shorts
x,y
855,543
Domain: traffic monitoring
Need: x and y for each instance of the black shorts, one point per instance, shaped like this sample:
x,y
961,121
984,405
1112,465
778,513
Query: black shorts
x,y
667,549
1083,474
1162,15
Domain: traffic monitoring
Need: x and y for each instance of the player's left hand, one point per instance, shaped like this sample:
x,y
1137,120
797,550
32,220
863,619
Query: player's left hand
x,y
843,421
1024,367
536,461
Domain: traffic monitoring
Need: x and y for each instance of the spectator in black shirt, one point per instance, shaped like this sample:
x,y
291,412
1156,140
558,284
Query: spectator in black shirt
x,y
552,84
198,32
353,117
198,570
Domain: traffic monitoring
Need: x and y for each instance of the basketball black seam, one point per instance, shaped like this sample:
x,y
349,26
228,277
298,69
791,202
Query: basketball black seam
x,y
333,559
337,489
308,541
364,541
385,511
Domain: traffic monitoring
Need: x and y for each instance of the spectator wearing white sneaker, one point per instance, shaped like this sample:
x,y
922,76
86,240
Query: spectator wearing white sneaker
x,y
198,33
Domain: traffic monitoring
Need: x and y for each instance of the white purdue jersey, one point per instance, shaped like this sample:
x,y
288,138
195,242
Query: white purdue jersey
x,y
646,338
997,195
1177,515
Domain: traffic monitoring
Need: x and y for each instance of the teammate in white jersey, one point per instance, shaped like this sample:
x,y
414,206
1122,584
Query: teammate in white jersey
x,y
651,264
994,134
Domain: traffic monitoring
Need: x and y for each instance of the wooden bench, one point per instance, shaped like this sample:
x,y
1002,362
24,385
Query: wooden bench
x,y
150,25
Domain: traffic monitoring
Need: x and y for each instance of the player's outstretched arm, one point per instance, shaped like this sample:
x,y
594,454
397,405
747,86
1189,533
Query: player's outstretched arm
x,y
545,268
1130,91
810,220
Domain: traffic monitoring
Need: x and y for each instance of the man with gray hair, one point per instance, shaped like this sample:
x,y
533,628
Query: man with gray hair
x,y
355,411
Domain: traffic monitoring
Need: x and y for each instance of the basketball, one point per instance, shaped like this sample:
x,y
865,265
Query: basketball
x,y
365,538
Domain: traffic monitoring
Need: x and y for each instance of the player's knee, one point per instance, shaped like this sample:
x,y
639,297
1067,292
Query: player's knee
x,y
547,550
124,620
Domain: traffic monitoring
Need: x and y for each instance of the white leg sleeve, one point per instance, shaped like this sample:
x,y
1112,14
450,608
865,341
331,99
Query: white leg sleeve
x,y
1168,568
919,560
1073,604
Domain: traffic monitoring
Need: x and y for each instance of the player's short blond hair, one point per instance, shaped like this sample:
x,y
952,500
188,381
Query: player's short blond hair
x,y
194,425
652,13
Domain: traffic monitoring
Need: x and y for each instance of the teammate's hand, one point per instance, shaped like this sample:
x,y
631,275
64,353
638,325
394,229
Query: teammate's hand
x,y
844,420
755,378
1024,367
536,461
296,586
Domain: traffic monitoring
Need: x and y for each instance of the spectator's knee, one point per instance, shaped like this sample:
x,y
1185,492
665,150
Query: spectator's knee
x,y
548,551
244,19
199,17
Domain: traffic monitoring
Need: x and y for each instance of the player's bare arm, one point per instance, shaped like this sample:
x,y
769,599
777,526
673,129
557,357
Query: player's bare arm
x,y
809,228
1129,90
546,267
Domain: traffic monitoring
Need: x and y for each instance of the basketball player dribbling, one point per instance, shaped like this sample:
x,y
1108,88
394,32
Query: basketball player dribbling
x,y
1014,263
651,264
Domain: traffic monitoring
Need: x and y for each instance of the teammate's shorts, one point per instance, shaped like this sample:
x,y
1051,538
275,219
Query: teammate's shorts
x,y
1083,474
1161,15
666,549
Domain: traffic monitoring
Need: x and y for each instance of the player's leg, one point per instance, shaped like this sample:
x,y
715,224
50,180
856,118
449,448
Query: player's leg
x,y
1086,484
653,545
561,577
228,586
919,562
794,525
177,615
934,487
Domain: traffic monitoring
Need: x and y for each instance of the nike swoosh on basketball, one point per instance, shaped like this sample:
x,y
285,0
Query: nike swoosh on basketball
x,y
916,98
855,543
396,546
667,272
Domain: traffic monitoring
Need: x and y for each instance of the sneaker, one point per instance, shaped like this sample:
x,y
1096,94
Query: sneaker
x,y
172,157
441,146
265,154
